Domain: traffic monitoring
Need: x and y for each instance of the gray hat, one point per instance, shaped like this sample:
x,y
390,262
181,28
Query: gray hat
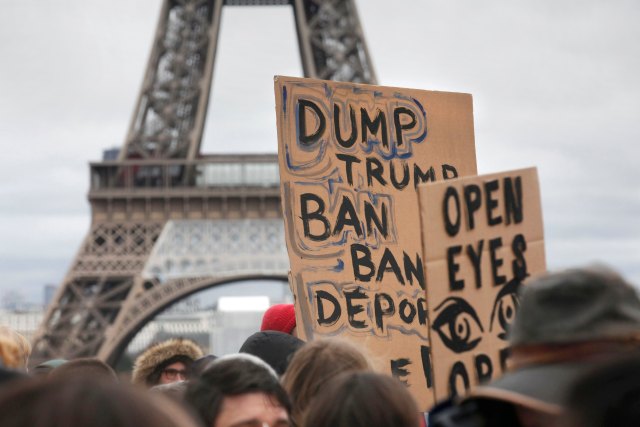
x,y
566,322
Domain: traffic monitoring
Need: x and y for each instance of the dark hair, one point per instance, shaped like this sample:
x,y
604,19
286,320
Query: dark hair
x,y
609,395
314,365
362,399
231,377
86,367
64,402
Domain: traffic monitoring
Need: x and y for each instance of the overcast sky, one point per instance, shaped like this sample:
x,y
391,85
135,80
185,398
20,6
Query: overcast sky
x,y
555,85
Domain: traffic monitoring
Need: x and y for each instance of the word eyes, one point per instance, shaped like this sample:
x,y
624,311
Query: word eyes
x,y
505,307
458,325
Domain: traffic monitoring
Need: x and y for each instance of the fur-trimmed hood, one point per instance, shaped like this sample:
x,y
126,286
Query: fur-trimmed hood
x,y
158,353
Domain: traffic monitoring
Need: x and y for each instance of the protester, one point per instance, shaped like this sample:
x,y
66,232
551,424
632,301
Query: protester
x,y
165,362
66,402
280,317
363,399
314,365
15,349
275,348
608,396
567,322
239,390
89,367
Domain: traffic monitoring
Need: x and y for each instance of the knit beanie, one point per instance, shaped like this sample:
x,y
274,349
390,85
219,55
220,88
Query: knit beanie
x,y
279,317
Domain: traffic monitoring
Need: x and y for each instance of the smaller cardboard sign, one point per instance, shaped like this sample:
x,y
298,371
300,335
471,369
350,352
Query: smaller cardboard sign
x,y
481,236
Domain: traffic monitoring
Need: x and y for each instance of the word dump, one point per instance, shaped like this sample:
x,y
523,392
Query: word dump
x,y
351,157
488,232
369,124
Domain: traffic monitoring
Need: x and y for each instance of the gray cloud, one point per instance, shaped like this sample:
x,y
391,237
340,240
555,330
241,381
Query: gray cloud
x,y
554,84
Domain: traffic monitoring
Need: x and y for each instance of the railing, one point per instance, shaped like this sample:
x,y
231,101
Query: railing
x,y
218,171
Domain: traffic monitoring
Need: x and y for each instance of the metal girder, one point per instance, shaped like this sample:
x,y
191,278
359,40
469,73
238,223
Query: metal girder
x,y
168,121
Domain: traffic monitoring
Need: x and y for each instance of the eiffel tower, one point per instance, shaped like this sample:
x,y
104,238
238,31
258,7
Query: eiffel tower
x,y
168,221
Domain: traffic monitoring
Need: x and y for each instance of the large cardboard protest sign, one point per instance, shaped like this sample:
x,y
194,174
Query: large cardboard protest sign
x,y
482,236
350,158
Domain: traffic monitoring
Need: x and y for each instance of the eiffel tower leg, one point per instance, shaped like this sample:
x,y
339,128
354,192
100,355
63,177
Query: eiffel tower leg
x,y
97,284
332,44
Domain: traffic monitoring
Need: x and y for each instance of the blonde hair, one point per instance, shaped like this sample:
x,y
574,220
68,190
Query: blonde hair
x,y
15,349
314,365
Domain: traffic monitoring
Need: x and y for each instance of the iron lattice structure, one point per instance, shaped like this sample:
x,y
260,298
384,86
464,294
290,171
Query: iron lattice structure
x,y
166,220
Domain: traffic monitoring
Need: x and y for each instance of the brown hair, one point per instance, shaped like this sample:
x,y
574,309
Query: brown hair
x,y
314,365
85,367
62,402
363,399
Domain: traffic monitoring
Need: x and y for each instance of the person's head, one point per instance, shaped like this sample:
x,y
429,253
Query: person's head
x,y
85,368
280,317
362,399
15,349
63,402
609,395
199,365
165,362
275,348
239,391
314,365
566,322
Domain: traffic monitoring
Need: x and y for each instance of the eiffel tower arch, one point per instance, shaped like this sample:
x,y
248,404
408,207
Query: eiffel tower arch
x,y
166,220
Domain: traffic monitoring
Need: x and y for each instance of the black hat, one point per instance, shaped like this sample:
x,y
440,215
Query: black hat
x,y
566,323
275,348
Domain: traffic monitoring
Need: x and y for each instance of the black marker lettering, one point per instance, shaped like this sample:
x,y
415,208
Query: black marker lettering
x,y
452,227
347,216
398,122
346,143
354,309
484,368
491,187
496,263
473,201
361,257
348,163
316,215
323,320
399,371
513,200
519,264
379,123
308,139
475,255
453,267
380,311
374,170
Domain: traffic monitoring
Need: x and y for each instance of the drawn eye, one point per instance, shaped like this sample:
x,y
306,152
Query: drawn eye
x,y
458,325
505,307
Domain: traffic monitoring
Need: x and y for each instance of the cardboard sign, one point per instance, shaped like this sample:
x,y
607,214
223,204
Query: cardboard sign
x,y
350,158
481,237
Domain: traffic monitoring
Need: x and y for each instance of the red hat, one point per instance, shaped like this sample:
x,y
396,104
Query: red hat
x,y
279,317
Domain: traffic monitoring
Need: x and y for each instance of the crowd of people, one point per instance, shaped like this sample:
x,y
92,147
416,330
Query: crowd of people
x,y
573,362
